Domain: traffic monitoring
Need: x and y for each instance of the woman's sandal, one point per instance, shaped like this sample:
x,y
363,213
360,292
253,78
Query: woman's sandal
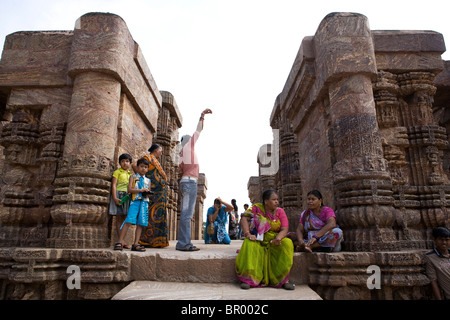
x,y
137,247
118,246
245,286
289,286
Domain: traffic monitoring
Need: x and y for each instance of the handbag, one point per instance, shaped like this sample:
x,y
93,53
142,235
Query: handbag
x,y
210,229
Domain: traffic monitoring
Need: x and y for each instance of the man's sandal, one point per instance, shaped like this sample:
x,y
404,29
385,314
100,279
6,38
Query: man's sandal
x,y
137,247
118,246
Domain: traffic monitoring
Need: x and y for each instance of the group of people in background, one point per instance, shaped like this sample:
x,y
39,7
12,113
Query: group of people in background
x,y
222,222
266,255
141,198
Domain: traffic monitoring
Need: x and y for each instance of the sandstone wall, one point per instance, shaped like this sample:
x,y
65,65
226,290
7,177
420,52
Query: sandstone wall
x,y
71,103
363,117
356,117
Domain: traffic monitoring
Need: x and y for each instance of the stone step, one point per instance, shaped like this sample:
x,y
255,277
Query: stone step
x,y
207,274
213,263
156,290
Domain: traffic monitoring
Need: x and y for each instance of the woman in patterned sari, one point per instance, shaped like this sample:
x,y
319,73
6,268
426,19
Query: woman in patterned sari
x,y
156,234
317,226
266,255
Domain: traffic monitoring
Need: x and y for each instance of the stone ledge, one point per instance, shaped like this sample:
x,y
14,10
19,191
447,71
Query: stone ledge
x,y
153,290
41,273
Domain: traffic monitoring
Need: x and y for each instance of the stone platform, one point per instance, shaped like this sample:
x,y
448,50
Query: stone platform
x,y
154,290
45,274
213,263
208,274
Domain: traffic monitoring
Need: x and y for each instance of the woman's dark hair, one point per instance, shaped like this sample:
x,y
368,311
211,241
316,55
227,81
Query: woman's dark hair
x,y
233,203
267,194
153,147
317,194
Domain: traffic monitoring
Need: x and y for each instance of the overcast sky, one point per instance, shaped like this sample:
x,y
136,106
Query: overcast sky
x,y
232,56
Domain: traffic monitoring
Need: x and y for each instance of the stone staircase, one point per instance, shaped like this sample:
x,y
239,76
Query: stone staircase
x,y
208,274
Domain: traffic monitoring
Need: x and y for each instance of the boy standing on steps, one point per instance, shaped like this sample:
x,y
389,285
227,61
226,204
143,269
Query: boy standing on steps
x,y
139,187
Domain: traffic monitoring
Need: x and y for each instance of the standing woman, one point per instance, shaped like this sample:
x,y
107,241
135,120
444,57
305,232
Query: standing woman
x,y
317,228
156,234
266,255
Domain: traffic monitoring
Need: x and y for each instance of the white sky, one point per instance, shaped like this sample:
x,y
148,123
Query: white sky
x,y
232,56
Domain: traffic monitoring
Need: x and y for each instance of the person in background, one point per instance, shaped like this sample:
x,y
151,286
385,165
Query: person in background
x,y
437,264
217,216
240,236
233,218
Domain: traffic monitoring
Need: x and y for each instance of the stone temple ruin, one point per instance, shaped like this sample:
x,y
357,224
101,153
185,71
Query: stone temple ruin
x,y
70,103
362,117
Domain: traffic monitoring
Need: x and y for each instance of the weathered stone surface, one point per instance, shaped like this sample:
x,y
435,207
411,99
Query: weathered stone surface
x,y
71,103
363,118
360,105
148,290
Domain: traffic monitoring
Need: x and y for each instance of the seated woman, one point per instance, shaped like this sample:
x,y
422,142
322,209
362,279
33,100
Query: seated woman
x,y
266,255
318,227
216,221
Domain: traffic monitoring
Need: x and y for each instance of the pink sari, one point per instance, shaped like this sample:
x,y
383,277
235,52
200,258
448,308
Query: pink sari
x,y
313,224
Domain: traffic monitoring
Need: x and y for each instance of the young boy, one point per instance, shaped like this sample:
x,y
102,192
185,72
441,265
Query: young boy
x,y
119,182
139,187
437,264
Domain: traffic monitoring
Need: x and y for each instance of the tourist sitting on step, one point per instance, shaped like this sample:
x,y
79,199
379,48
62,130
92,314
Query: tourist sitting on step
x,y
216,230
266,255
317,229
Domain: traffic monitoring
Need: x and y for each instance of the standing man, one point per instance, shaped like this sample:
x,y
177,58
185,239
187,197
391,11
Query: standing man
x,y
189,170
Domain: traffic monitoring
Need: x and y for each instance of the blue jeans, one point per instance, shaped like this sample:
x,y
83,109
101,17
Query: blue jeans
x,y
188,201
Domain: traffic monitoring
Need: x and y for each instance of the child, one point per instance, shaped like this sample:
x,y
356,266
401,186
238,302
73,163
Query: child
x,y
437,264
119,182
139,187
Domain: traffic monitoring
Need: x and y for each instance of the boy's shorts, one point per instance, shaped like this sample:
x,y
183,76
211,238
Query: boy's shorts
x,y
138,213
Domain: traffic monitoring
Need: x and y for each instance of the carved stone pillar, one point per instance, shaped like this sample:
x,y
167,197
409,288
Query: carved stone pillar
x,y
427,140
289,189
19,178
395,145
197,220
254,189
346,59
82,186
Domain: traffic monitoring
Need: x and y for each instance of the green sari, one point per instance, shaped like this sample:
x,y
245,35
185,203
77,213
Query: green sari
x,y
261,263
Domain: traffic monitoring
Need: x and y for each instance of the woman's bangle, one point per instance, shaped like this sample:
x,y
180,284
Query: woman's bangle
x,y
315,237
